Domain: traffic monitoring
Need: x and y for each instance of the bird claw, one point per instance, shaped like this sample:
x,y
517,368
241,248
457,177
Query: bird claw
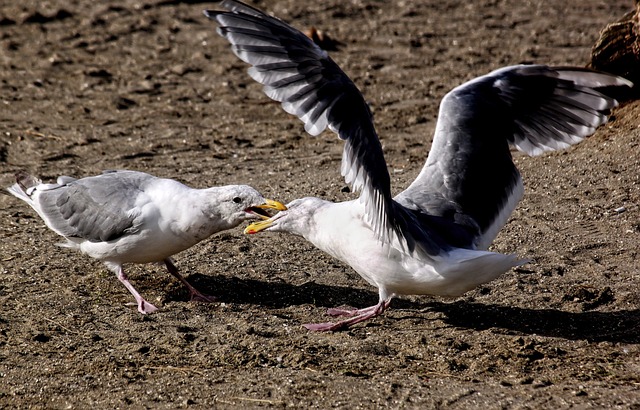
x,y
357,316
342,312
145,307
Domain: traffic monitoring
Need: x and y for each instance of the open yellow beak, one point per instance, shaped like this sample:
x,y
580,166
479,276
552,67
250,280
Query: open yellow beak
x,y
258,226
257,210
271,204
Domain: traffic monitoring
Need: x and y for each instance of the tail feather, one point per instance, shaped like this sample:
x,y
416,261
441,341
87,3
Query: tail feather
x,y
26,181
466,268
24,186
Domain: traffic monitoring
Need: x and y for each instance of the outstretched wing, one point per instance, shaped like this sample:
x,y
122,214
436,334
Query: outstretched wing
x,y
469,176
310,85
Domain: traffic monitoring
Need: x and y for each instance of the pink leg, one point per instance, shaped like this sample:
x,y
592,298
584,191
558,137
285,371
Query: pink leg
x,y
144,307
195,294
360,316
350,312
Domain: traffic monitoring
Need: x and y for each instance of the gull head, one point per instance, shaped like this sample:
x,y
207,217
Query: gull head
x,y
237,203
296,219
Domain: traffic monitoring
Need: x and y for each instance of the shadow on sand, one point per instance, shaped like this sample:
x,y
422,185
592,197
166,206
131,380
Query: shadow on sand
x,y
281,294
620,326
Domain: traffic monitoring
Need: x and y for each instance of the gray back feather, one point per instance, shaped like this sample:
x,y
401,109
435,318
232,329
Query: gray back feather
x,y
99,208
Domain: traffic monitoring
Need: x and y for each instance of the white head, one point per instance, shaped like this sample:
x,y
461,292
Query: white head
x,y
296,219
233,204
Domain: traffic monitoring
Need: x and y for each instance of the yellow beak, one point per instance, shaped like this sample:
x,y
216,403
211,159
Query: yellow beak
x,y
258,226
268,204
271,204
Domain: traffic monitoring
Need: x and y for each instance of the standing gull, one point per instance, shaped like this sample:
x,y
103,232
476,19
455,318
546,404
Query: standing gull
x,y
123,217
433,237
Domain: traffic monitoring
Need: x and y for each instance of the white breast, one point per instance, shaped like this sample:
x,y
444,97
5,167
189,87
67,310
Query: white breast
x,y
343,234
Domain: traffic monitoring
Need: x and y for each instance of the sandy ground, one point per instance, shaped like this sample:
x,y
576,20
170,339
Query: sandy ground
x,y
148,85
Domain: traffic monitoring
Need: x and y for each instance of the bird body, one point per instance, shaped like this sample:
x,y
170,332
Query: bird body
x,y
346,236
122,217
167,217
431,238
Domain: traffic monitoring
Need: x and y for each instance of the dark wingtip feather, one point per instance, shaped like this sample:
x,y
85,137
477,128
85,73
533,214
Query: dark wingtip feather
x,y
26,180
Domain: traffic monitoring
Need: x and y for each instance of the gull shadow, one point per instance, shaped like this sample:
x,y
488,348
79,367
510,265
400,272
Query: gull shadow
x,y
230,289
622,326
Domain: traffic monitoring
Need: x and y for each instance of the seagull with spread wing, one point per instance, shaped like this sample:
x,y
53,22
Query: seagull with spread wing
x,y
123,217
432,238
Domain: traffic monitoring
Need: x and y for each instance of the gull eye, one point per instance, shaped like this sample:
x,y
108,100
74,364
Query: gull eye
x,y
237,199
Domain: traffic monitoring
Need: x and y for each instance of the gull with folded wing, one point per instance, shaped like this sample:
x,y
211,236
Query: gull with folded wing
x,y
123,217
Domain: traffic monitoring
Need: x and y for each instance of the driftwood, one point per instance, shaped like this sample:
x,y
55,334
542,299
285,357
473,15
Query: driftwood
x,y
617,51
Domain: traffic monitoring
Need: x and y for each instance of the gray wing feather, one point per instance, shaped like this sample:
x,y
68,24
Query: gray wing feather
x,y
534,108
310,85
99,208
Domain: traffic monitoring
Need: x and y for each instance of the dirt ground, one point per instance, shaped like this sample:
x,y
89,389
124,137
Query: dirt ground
x,y
148,85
